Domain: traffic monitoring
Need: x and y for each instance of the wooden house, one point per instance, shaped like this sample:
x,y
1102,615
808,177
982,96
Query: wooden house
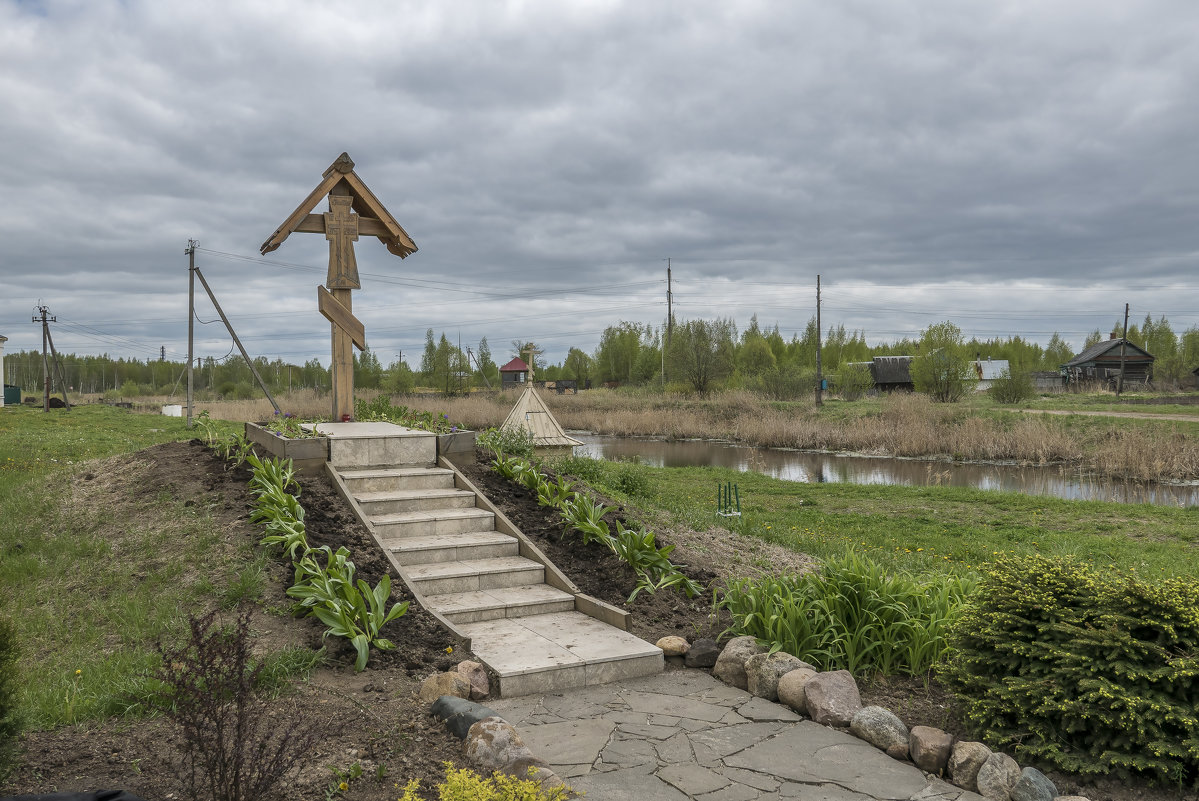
x,y
1101,362
514,374
988,371
891,373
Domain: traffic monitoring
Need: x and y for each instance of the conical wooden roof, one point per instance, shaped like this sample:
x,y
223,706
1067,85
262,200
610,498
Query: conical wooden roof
x,y
530,413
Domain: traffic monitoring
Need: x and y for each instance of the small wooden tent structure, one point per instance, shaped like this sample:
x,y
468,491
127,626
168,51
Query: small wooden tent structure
x,y
530,414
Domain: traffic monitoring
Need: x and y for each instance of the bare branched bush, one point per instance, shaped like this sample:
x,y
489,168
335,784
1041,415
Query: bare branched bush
x,y
227,750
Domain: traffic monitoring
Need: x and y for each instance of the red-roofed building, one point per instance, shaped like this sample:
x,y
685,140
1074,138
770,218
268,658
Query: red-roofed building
x,y
514,374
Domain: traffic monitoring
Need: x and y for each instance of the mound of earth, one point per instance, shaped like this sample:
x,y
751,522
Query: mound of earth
x,y
372,718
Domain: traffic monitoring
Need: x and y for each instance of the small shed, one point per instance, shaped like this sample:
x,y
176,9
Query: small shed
x,y
514,374
891,373
1101,362
530,414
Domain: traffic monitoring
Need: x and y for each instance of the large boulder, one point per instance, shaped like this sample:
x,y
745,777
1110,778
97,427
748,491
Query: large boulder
x,y
833,698
791,689
930,748
964,761
730,665
997,777
1033,785
883,729
702,654
440,684
763,671
476,674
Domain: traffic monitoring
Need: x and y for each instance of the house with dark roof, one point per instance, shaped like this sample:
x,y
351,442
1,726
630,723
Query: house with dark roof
x,y
514,374
1101,362
892,373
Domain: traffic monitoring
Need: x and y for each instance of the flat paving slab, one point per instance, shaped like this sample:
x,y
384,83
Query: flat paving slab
x,y
684,734
368,431
537,646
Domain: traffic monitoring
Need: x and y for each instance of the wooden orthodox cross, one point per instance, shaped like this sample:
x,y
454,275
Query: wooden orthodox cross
x,y
353,210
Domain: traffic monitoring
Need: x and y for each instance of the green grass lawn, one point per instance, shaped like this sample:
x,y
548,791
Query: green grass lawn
x,y
90,593
921,530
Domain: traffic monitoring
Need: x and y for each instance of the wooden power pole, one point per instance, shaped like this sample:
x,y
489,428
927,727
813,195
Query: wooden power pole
x,y
1123,348
191,325
819,375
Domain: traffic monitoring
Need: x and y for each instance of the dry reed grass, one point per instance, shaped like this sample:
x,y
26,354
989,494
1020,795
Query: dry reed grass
x,y
904,425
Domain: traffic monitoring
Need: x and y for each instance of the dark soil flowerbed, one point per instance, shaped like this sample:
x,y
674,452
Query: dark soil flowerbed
x,y
372,718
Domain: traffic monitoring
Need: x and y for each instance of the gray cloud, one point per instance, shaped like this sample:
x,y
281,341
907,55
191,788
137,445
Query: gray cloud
x,y
1019,167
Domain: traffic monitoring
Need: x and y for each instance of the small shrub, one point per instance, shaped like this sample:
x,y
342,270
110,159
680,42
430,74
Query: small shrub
x,y
507,442
584,468
630,478
1012,387
380,409
466,785
853,381
1094,673
230,749
10,723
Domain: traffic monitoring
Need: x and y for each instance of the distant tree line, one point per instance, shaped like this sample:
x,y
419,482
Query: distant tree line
x,y
691,355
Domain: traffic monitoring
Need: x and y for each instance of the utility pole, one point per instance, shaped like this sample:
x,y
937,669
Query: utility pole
x,y
1123,347
819,375
45,361
191,324
669,319
47,351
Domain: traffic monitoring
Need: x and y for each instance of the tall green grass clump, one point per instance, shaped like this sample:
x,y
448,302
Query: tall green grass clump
x,y
1095,673
851,614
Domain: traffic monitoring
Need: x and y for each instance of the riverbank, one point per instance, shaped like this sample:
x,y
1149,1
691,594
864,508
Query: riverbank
x,y
1163,448
906,425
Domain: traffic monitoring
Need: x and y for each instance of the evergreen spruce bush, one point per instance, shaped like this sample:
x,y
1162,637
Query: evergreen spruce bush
x,y
10,724
1093,673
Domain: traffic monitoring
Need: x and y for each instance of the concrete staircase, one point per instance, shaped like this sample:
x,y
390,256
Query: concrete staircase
x,y
466,563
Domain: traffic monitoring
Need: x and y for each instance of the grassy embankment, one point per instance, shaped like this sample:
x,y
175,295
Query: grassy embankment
x,y
919,530
92,580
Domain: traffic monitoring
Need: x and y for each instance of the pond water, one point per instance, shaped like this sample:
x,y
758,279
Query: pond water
x,y
815,468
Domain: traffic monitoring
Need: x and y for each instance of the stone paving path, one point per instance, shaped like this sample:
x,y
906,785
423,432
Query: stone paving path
x,y
684,734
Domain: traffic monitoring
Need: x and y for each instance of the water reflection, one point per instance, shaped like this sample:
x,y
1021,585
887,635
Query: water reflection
x,y
820,468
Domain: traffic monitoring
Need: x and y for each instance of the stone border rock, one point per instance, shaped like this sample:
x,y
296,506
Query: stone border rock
x,y
492,743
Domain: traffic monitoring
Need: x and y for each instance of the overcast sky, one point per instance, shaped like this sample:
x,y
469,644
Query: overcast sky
x,y
1018,167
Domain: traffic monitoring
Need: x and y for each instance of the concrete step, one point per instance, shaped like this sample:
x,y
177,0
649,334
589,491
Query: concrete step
x,y
377,479
474,607
365,445
420,524
463,547
391,501
440,578
557,651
